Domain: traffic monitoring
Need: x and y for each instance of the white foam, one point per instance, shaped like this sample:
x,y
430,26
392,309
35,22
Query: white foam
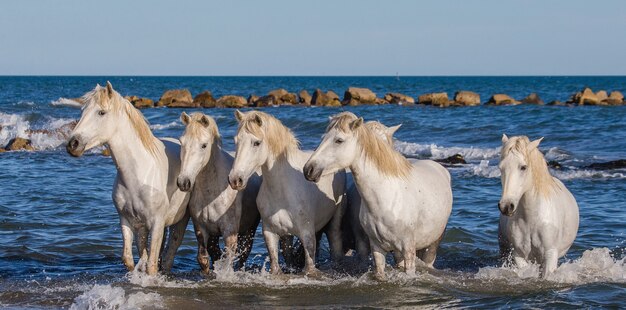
x,y
16,125
484,170
587,174
65,102
110,297
165,126
439,152
595,265
13,125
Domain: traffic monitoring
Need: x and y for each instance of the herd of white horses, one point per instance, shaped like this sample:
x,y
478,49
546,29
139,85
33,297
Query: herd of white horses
x,y
354,184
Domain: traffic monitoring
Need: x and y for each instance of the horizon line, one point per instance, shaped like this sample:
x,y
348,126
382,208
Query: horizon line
x,y
392,76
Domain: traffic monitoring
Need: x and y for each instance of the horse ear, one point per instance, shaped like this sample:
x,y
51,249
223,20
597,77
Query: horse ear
x,y
534,144
238,115
204,120
184,117
258,120
356,123
504,138
109,89
392,130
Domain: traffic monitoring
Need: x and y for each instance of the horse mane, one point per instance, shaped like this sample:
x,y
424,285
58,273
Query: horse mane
x,y
542,179
381,130
116,103
278,137
380,152
196,127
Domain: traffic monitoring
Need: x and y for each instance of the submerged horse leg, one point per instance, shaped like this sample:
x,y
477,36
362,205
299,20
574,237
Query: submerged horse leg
x,y
271,241
550,262
334,235
379,261
309,242
174,240
287,248
429,254
203,254
245,243
213,246
127,252
230,243
156,234
142,246
409,260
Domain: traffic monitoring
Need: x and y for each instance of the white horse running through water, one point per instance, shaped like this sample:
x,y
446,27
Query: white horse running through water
x,y
145,192
355,236
216,209
539,216
289,205
405,207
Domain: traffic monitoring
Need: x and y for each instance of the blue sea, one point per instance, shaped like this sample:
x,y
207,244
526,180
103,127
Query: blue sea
x,y
60,241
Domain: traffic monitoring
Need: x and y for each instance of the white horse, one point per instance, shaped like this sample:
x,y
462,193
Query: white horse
x,y
539,217
216,209
289,205
405,207
145,192
355,236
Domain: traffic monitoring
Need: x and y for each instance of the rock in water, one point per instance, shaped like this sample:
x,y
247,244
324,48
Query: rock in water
x,y
533,98
435,99
609,165
466,98
17,144
456,159
502,99
328,99
356,96
400,99
230,101
204,99
304,97
177,98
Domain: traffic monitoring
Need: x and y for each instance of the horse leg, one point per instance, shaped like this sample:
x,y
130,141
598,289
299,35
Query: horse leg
x,y
362,245
156,234
230,242
213,246
409,260
379,261
127,252
549,263
286,247
174,240
271,241
334,235
203,255
399,258
429,254
142,246
309,242
245,247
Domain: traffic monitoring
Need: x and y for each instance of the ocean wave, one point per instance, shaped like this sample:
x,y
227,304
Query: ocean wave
x,y
595,265
165,126
51,134
434,151
111,297
65,102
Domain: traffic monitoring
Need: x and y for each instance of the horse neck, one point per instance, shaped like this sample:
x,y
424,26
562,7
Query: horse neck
x,y
367,178
217,168
276,168
132,159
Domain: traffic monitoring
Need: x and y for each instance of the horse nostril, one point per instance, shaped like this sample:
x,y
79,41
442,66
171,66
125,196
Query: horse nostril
x,y
73,143
239,181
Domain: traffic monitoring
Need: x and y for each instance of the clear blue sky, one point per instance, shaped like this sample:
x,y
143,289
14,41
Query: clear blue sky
x,y
339,37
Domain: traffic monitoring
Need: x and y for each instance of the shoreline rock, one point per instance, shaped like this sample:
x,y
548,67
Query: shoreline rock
x,y
176,98
328,99
231,101
466,98
434,99
400,99
356,96
204,99
502,99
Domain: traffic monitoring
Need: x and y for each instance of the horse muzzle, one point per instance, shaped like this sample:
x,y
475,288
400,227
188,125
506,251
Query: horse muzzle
x,y
184,184
507,208
311,173
74,147
236,182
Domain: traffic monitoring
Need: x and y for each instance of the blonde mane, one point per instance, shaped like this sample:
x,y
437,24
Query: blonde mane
x,y
542,179
381,153
196,127
279,138
114,102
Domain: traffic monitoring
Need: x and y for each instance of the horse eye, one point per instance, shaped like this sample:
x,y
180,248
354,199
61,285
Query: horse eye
x,y
339,141
204,146
523,168
256,143
102,112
